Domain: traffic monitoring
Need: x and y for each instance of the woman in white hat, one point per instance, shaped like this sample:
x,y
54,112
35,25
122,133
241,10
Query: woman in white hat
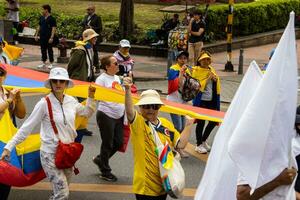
x,y
147,180
65,108
124,59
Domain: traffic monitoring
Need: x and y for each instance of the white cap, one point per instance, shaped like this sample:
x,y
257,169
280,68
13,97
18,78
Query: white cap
x,y
125,43
58,73
149,97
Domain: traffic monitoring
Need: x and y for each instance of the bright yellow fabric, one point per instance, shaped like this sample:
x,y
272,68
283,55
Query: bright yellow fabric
x,y
146,179
202,75
80,43
81,122
176,67
31,144
12,52
111,95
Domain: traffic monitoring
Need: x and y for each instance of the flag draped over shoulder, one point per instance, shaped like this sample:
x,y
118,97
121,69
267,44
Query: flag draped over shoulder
x,y
24,167
220,176
260,144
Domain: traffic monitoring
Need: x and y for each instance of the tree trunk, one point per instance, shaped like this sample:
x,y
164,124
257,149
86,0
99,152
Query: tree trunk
x,y
126,24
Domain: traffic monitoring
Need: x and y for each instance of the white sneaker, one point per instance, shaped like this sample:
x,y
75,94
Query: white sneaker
x,y
50,66
41,65
183,154
206,146
201,149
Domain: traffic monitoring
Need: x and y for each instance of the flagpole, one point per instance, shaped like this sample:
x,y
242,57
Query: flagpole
x,y
228,65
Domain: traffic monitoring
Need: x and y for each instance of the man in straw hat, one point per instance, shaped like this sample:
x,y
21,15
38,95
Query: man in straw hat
x,y
146,180
81,66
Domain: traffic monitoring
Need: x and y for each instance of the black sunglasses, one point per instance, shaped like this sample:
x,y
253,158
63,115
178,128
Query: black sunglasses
x,y
56,81
2,73
151,106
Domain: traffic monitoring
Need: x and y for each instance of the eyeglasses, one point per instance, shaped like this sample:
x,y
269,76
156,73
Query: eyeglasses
x,y
2,73
115,63
56,81
151,106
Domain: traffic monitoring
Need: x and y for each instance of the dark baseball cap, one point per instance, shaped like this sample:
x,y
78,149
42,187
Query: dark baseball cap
x,y
180,53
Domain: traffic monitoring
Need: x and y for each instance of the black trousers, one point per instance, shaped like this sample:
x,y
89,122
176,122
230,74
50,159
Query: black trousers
x,y
111,131
46,47
146,197
4,191
96,56
200,135
297,184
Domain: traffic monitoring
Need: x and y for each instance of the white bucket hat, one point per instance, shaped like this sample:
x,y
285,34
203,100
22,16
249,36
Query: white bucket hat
x,y
89,34
58,73
149,97
125,43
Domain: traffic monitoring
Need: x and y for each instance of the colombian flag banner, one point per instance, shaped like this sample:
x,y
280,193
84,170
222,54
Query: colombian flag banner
x,y
24,168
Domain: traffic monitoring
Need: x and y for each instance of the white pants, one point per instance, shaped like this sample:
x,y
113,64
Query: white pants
x,y
59,178
194,52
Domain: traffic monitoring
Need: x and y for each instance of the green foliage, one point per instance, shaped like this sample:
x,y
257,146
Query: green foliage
x,y
250,18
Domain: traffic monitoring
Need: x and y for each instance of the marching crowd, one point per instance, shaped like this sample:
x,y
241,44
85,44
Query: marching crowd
x,y
191,78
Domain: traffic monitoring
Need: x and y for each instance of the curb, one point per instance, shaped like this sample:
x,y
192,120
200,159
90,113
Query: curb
x,y
156,51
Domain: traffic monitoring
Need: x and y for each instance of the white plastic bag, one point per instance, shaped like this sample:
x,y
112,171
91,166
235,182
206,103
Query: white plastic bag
x,y
173,178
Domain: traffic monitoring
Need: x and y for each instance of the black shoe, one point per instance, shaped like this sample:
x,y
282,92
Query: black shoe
x,y
109,177
87,132
96,161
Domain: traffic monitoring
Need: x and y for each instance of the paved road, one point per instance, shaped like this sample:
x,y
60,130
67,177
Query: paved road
x,y
88,185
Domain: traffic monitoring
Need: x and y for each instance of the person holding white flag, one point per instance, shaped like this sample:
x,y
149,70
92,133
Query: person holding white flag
x,y
260,145
220,175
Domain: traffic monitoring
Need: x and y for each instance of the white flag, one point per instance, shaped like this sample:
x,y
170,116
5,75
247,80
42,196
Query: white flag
x,y
260,145
220,175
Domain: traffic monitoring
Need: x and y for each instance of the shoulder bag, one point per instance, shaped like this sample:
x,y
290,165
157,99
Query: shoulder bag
x,y
66,154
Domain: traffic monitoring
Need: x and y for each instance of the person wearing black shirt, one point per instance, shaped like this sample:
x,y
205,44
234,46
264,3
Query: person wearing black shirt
x,y
93,21
46,30
162,34
196,35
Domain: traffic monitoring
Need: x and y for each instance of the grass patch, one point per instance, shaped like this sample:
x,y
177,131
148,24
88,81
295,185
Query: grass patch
x,y
146,15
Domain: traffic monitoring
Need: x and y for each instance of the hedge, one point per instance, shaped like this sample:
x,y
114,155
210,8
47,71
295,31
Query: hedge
x,y
250,18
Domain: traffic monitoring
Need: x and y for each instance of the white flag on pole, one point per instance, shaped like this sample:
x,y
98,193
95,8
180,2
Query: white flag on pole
x,y
260,144
220,175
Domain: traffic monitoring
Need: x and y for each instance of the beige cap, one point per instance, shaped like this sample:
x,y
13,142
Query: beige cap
x,y
149,97
89,34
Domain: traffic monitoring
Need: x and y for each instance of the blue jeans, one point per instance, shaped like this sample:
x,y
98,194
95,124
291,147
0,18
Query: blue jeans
x,y
178,121
171,57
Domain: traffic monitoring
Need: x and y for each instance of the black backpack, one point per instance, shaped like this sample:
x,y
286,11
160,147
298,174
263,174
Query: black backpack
x,y
190,88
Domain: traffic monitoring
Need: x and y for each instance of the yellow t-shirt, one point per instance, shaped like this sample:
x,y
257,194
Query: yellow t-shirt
x,y
146,178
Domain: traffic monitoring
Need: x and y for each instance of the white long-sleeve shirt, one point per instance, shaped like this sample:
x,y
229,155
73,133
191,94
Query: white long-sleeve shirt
x,y
66,127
